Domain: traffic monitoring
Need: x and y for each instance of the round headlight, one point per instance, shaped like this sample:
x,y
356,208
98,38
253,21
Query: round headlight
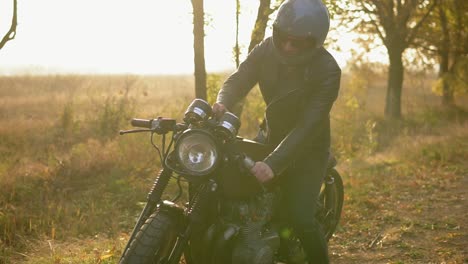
x,y
197,152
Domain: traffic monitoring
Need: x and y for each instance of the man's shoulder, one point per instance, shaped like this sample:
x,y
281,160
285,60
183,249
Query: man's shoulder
x,y
325,61
264,46
322,66
260,51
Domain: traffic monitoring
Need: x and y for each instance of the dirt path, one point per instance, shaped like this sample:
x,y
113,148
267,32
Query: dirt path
x,y
401,213
399,208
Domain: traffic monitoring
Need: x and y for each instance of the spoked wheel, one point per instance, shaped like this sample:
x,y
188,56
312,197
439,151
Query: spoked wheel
x,y
154,242
330,202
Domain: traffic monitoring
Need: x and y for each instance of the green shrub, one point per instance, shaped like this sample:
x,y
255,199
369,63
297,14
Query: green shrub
x,y
114,114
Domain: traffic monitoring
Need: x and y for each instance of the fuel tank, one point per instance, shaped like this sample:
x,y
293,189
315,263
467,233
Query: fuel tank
x,y
236,181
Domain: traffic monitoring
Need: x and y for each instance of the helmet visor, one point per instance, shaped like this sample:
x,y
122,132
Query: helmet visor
x,y
282,39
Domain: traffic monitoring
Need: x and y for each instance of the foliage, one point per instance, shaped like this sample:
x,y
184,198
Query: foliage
x,y
265,9
456,78
63,173
70,193
443,39
213,84
354,128
67,120
115,113
395,200
396,24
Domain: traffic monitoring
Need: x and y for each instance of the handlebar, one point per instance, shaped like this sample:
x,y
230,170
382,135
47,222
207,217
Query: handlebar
x,y
159,125
248,162
146,123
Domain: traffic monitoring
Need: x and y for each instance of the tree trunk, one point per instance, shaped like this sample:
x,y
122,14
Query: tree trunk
x,y
447,92
258,33
395,83
236,47
199,49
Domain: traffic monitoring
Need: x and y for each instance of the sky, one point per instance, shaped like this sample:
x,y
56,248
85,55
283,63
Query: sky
x,y
123,36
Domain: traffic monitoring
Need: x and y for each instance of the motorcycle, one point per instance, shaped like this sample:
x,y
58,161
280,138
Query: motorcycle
x,y
230,217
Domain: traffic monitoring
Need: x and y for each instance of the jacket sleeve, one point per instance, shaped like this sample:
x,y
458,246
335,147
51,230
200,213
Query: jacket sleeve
x,y
242,80
317,109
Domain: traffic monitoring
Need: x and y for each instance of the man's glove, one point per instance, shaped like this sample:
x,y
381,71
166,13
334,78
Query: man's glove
x,y
262,172
218,110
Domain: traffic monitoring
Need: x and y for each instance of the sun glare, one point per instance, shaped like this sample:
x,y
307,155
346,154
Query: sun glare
x,y
117,36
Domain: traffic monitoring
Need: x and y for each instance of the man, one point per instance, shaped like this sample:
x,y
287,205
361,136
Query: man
x,y
299,81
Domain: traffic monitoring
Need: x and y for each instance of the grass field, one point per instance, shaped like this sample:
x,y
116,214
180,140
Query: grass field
x,y
71,188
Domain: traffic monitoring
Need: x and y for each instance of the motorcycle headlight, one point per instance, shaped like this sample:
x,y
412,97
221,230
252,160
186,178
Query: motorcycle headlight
x,y
197,152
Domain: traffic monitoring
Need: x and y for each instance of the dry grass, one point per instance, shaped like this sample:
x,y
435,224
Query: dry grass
x,y
71,186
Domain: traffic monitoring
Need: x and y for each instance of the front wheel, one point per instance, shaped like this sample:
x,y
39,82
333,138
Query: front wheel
x,y
154,242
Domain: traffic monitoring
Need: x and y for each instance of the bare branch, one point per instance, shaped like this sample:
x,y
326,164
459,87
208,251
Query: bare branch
x,y
385,18
379,32
12,32
430,49
368,10
415,29
399,5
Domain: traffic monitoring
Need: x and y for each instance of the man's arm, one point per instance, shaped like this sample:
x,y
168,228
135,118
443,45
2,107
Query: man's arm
x,y
242,80
317,110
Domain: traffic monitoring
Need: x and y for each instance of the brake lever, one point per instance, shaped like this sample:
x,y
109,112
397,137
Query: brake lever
x,y
123,132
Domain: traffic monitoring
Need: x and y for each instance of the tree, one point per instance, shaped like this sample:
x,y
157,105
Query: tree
x,y
258,34
236,47
199,48
396,23
444,38
263,16
12,32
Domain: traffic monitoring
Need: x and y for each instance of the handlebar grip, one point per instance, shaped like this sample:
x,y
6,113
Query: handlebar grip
x,y
248,162
146,123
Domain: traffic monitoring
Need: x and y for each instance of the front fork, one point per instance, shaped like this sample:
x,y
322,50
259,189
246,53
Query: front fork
x,y
154,197
195,215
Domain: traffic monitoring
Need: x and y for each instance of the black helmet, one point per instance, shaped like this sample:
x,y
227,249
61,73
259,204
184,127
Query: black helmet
x,y
305,19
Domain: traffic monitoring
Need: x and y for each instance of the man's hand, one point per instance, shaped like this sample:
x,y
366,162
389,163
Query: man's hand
x,y
219,110
262,172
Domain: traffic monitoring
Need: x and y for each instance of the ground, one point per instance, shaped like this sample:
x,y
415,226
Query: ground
x,y
71,187
408,212
396,211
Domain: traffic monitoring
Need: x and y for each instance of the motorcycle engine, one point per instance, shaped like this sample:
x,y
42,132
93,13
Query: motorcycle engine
x,y
256,242
254,246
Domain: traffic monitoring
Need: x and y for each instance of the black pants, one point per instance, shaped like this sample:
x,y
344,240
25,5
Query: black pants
x,y
301,186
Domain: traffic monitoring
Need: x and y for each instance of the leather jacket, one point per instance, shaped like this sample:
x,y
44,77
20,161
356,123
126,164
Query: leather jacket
x,y
298,98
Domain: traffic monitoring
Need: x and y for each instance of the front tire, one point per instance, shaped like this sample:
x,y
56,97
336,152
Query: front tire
x,y
155,240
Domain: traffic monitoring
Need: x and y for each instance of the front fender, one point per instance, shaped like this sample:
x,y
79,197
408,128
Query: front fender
x,y
173,209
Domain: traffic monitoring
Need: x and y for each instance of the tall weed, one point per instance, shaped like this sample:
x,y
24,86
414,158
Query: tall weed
x,y
64,173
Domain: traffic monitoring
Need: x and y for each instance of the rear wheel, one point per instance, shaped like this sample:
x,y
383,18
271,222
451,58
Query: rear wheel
x,y
154,242
330,203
